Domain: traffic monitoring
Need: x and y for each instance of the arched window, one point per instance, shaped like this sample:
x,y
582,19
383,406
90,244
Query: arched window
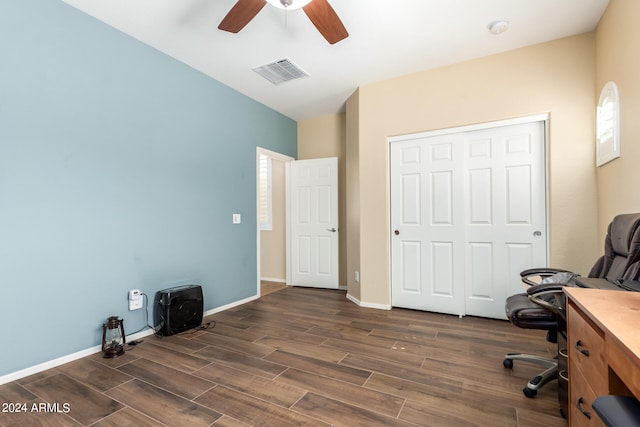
x,y
608,125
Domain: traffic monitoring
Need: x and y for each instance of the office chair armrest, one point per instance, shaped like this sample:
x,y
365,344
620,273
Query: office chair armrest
x,y
542,273
539,294
546,288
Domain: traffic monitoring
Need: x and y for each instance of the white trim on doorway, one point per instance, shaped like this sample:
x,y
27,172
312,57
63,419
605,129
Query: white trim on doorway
x,y
277,156
467,128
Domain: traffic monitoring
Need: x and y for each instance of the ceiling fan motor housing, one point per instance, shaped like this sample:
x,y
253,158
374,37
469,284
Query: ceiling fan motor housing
x,y
320,12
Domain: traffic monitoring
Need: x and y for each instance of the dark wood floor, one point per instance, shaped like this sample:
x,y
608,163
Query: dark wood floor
x,y
295,357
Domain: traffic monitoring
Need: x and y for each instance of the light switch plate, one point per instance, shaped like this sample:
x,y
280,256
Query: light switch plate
x,y
236,218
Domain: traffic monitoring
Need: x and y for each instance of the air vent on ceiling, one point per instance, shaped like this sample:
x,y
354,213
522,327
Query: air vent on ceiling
x,y
281,71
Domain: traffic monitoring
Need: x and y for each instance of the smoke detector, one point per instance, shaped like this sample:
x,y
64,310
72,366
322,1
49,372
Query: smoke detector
x,y
498,27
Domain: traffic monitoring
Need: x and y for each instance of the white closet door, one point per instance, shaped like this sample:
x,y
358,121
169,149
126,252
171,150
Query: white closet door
x,y
468,214
426,214
505,216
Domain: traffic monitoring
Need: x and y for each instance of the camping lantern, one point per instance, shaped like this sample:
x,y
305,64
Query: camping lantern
x,y
113,340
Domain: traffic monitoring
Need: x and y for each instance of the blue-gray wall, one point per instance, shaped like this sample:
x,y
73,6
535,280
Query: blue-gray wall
x,y
120,168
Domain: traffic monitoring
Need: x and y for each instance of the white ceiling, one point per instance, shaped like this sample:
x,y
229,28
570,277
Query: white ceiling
x,y
387,38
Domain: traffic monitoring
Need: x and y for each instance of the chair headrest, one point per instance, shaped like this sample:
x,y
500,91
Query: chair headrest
x,y
622,232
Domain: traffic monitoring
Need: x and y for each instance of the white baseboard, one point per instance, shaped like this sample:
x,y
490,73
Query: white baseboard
x,y
230,305
48,365
273,279
353,299
368,304
98,348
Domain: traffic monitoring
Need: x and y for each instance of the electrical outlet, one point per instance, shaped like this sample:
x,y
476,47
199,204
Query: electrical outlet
x,y
356,276
135,299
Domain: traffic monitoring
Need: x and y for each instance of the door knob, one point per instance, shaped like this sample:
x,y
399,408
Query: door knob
x,y
537,233
332,229
396,232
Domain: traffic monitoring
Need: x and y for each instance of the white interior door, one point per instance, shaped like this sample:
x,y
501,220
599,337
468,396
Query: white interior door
x,y
313,222
468,213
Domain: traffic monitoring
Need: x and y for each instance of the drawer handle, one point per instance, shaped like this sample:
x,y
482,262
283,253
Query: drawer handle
x,y
581,409
580,349
564,375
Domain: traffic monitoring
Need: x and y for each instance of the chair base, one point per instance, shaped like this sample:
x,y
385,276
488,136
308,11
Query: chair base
x,y
549,374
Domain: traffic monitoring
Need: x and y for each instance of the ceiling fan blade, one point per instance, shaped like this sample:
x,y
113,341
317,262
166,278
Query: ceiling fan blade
x,y
240,15
326,20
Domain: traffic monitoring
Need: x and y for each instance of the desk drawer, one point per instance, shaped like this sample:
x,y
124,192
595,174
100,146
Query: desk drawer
x,y
581,397
587,352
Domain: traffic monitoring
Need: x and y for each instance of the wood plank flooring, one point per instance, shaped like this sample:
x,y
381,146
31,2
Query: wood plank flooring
x,y
298,357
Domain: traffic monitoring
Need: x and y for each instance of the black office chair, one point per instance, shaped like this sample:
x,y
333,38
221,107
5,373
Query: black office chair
x,y
526,314
618,411
542,306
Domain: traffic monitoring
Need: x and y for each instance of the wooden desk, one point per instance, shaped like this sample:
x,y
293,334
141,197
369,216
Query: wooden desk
x,y
603,338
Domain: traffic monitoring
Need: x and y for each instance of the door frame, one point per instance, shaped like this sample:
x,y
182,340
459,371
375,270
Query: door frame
x,y
544,117
286,159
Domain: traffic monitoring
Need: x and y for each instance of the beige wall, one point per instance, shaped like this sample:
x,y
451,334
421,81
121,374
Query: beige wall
x,y
273,249
556,78
353,195
322,137
617,59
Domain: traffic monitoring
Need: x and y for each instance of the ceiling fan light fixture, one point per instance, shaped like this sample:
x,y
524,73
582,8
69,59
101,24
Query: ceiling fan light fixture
x,y
289,4
319,12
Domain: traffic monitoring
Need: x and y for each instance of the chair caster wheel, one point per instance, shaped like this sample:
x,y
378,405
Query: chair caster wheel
x,y
529,393
507,363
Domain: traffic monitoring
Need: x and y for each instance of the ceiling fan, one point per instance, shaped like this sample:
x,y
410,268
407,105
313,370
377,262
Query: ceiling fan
x,y
319,12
